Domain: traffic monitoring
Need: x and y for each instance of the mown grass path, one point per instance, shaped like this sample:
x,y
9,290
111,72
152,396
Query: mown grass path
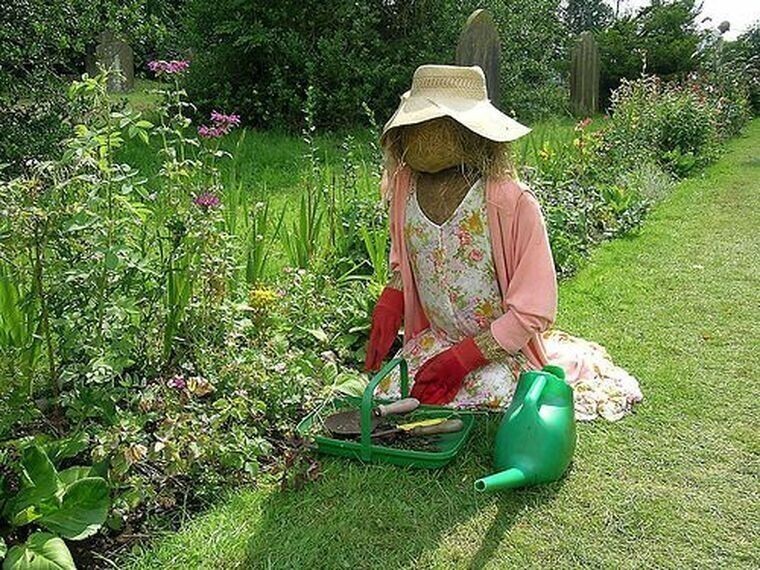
x,y
673,486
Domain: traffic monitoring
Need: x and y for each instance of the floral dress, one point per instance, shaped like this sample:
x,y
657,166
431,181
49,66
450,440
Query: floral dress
x,y
456,281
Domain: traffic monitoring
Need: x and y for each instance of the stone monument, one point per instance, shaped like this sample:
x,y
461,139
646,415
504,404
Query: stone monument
x,y
116,55
479,44
584,76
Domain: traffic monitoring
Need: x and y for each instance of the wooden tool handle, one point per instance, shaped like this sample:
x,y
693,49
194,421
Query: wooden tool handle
x,y
449,426
400,407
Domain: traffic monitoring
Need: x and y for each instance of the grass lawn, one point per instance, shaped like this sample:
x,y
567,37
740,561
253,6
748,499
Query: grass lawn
x,y
271,164
674,485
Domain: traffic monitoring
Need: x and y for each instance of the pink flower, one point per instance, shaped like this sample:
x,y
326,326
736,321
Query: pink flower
x,y
583,124
222,124
465,238
206,132
476,255
177,382
220,119
207,200
173,67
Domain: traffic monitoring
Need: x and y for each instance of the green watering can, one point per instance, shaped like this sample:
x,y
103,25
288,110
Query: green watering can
x,y
536,438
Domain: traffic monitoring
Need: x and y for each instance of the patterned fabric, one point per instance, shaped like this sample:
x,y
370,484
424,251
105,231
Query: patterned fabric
x,y
455,277
601,388
454,273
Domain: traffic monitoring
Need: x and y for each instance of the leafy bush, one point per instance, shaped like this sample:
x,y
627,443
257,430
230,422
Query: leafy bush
x,y
659,38
144,312
672,124
745,53
259,58
43,42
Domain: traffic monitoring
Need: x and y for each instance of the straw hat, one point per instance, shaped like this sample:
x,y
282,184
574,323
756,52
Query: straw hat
x,y
458,92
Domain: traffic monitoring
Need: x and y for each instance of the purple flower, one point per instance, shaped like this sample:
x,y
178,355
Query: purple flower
x,y
222,124
222,120
207,200
172,67
206,132
177,382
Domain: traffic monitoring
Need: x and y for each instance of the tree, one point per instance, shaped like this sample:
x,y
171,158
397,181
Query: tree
x,y
582,15
661,38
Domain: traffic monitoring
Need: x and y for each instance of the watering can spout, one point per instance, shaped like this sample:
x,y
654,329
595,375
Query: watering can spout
x,y
536,439
507,479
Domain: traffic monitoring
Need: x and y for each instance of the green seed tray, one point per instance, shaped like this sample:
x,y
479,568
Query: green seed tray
x,y
447,445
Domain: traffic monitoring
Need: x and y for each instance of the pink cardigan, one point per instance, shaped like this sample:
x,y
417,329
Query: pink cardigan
x,y
522,257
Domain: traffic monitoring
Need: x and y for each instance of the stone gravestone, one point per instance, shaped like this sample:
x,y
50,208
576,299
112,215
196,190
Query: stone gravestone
x,y
479,45
116,55
584,76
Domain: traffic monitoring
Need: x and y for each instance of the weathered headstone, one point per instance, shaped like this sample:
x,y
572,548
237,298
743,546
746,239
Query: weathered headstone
x,y
116,55
584,76
479,45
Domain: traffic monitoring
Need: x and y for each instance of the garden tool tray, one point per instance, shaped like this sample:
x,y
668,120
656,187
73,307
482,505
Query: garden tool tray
x,y
442,449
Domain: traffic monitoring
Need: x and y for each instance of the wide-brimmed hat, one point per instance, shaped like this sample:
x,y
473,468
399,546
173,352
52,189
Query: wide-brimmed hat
x,y
458,92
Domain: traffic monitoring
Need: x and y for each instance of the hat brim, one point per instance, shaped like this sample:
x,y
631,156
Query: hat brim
x,y
481,117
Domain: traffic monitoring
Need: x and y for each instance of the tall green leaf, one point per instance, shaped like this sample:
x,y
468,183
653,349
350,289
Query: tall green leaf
x,y
42,551
39,482
83,510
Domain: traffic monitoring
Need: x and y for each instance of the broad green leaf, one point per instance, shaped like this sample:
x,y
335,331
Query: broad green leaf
x,y
40,483
66,447
3,548
83,509
38,469
112,259
319,334
350,384
73,474
42,551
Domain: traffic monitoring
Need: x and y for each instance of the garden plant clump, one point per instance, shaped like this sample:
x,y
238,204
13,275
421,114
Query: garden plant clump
x,y
161,329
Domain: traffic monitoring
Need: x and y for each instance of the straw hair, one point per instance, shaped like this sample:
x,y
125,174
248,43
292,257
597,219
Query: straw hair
x,y
443,143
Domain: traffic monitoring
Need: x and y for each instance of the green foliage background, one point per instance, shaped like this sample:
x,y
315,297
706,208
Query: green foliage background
x,y
259,58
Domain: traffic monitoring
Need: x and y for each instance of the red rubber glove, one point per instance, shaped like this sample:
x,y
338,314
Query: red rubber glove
x,y
386,320
439,379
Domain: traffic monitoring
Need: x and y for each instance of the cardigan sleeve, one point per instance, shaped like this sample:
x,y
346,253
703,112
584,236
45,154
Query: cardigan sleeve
x,y
530,301
387,187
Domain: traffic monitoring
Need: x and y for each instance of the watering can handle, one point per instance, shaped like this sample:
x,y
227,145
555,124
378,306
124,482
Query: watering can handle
x,y
534,393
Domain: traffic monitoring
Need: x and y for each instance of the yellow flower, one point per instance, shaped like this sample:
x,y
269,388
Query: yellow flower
x,y
545,152
261,298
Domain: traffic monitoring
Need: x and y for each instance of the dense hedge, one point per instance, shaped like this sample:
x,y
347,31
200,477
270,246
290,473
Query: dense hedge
x,y
42,42
259,58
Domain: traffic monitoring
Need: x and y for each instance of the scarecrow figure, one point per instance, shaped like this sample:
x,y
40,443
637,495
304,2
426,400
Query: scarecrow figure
x,y
473,279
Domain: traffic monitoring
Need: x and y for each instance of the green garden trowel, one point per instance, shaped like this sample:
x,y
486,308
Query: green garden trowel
x,y
536,438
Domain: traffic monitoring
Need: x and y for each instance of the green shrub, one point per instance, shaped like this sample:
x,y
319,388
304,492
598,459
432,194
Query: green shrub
x,y
660,38
742,58
676,125
259,58
44,42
